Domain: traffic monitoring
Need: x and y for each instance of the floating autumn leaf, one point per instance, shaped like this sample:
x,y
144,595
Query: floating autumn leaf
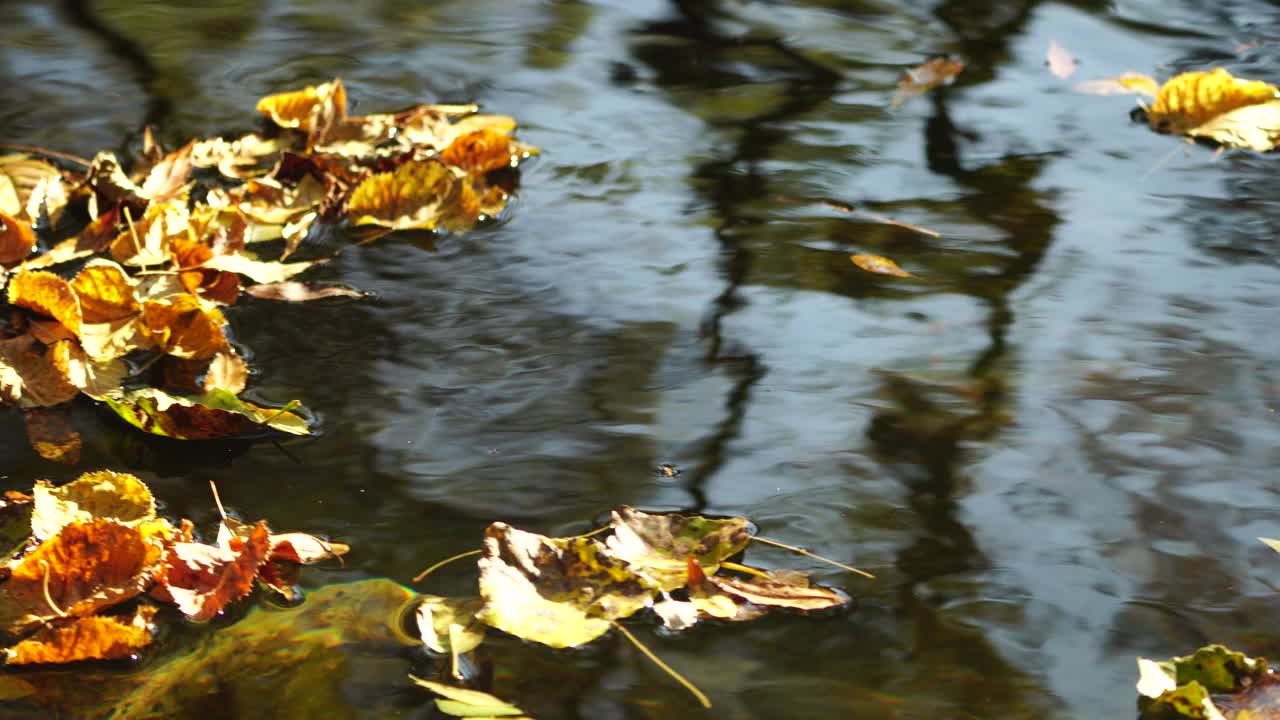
x,y
51,435
212,284
561,592
794,593
94,238
461,702
224,370
1255,127
184,327
285,552
245,157
27,185
95,377
86,638
46,294
309,109
203,579
923,78
94,495
149,241
710,600
415,196
1060,61
16,239
660,546
1189,100
879,264
105,292
169,178
85,567
28,376
1181,686
450,625
479,151
257,270
108,186
1129,83
300,292
217,414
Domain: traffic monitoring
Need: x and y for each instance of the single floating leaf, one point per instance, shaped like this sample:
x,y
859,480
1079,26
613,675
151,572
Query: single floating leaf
x,y
203,579
660,545
879,264
923,78
1192,99
214,415
1130,83
1061,62
461,702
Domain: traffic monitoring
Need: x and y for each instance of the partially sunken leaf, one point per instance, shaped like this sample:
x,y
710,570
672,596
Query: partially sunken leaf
x,y
16,239
86,638
47,294
775,593
561,592
52,436
85,567
1191,99
202,579
660,546
437,615
215,415
94,495
184,327
413,197
1127,84
879,265
461,702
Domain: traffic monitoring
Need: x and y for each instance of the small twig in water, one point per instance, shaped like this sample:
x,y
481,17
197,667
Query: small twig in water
x,y
702,698
806,553
442,563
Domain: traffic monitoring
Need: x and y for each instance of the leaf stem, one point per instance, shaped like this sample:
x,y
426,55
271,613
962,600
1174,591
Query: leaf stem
x,y
442,563
47,597
745,569
43,151
702,698
806,553
291,405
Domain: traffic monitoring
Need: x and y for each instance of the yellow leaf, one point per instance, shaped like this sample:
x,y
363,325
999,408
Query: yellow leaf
x,y
479,151
1191,99
879,264
185,328
1125,84
104,494
415,196
46,294
1256,127
106,293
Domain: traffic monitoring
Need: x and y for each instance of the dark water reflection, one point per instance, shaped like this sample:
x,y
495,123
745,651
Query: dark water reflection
x,y
1055,446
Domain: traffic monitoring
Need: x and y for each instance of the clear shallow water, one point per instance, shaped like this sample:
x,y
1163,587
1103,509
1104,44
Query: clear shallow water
x,y
1054,447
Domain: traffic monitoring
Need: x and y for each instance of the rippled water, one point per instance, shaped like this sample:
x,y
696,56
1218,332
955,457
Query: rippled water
x,y
1054,446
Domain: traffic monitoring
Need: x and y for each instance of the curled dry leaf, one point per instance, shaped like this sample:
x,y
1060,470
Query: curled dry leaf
x,y
307,109
51,435
86,638
169,177
879,265
214,415
83,568
26,183
103,495
16,239
203,579
415,196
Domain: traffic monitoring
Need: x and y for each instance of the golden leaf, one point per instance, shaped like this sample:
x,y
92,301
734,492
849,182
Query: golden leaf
x,y
317,110
105,291
29,378
1191,99
103,495
86,638
147,241
220,287
414,196
47,294
185,328
1256,127
52,436
479,151
879,264
95,377
16,239
922,78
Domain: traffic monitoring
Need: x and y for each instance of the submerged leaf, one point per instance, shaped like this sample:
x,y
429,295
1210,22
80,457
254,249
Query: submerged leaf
x,y
461,702
450,625
52,436
214,415
86,638
920,79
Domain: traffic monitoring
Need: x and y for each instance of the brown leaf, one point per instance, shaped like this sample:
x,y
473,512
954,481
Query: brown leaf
x,y
109,184
28,376
292,291
86,638
85,567
16,239
1061,62
47,294
479,151
415,196
923,78
224,369
185,328
148,241
203,579
774,593
216,285
879,264
169,177
105,292
97,378
52,436
49,331
93,239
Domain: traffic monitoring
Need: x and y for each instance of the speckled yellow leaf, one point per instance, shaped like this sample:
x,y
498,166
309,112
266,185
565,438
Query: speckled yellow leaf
x,y
47,294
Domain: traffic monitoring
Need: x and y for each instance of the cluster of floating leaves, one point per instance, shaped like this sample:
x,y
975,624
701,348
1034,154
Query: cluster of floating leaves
x,y
127,308
91,550
566,592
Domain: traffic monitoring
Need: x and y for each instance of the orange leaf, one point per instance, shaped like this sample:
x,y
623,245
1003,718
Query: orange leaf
x,y
415,196
106,293
203,579
224,369
16,240
29,376
216,285
84,568
47,294
879,264
479,151
185,328
86,638
52,436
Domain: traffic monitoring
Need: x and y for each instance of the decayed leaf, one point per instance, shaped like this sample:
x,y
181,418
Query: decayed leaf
x,y
415,196
28,376
52,436
561,592
94,495
923,78
300,292
660,546
214,415
86,638
203,579
461,702
450,625
775,593
1181,686
1130,83
182,326
711,600
16,239
47,294
84,567
1061,62
879,264
1191,99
